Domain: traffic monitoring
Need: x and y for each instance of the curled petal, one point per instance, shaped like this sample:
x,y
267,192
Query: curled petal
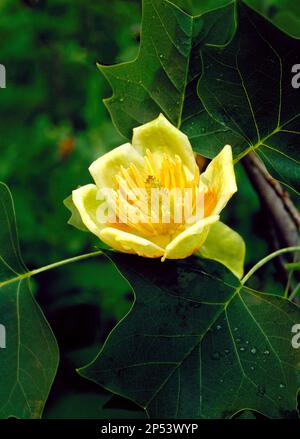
x,y
219,181
85,200
129,243
104,169
225,246
159,137
189,241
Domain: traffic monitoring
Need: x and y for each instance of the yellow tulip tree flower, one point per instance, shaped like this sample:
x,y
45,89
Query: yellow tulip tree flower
x,y
160,158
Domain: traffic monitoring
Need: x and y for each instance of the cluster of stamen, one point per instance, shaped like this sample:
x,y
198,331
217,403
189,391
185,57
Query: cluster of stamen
x,y
135,189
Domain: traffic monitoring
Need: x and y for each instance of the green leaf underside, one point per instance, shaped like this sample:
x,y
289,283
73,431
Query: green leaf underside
x,y
28,363
221,77
197,345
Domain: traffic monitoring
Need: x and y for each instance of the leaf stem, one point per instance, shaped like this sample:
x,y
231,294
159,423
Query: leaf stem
x,y
65,262
267,259
295,292
51,267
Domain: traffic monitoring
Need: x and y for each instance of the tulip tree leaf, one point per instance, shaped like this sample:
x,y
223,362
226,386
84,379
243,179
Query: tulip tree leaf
x,y
164,76
221,77
247,87
196,344
29,356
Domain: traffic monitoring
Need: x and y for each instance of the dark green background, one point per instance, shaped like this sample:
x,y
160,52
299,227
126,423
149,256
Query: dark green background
x,y
53,125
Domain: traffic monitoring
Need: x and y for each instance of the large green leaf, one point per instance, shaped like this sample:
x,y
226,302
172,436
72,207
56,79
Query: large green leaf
x,y
246,86
222,77
28,363
197,345
164,76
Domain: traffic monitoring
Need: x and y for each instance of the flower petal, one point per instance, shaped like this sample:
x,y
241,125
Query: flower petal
x,y
225,246
189,241
105,168
129,243
219,181
75,219
85,200
160,136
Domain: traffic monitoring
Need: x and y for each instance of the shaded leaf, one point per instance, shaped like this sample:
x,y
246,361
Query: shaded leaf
x,y
198,345
29,361
246,86
164,76
89,405
221,77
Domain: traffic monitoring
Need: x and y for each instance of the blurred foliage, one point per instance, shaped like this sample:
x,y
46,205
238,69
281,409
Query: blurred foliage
x,y
284,13
53,125
52,121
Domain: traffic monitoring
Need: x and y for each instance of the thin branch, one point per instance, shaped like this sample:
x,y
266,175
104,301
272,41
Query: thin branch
x,y
282,215
275,199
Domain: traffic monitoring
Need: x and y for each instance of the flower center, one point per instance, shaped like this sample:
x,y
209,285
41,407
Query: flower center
x,y
155,200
